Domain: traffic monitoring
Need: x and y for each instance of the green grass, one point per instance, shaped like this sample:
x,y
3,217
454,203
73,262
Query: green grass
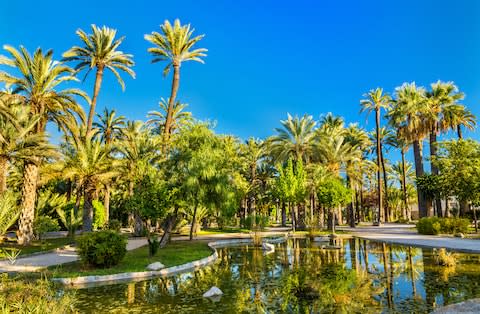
x,y
37,246
175,253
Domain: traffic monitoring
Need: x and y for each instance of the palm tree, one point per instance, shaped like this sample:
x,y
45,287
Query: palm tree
x,y
394,140
180,117
403,172
91,166
110,128
100,51
174,45
138,149
36,88
295,139
408,117
456,116
375,101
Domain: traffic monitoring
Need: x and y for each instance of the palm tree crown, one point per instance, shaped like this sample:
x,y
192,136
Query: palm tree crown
x,y
175,45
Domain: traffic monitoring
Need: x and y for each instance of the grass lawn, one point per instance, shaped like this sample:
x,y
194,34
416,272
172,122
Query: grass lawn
x,y
175,253
37,246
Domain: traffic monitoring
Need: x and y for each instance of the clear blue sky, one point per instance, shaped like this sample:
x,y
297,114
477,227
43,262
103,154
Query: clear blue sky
x,y
267,58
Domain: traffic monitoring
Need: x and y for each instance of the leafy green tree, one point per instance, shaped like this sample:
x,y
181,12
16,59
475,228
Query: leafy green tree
x,y
333,194
175,45
99,51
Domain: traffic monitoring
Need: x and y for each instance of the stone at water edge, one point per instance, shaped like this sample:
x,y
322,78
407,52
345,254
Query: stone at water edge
x,y
155,266
459,235
213,292
321,239
268,247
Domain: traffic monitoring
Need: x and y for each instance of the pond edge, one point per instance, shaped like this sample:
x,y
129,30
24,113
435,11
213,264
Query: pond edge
x,y
85,281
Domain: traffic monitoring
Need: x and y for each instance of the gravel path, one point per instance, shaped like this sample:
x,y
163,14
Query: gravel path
x,y
404,234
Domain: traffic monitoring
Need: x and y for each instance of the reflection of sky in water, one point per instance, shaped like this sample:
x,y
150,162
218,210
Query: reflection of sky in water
x,y
254,282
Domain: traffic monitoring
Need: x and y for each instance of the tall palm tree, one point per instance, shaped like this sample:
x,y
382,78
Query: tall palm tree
x,y
36,87
111,129
175,45
375,101
441,96
91,165
408,117
402,172
99,50
295,139
180,117
394,140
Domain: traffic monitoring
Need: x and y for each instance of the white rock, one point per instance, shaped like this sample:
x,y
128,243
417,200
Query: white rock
x,y
321,239
155,266
268,247
214,291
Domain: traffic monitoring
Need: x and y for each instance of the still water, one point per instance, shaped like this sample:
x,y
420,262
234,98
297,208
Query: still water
x,y
301,277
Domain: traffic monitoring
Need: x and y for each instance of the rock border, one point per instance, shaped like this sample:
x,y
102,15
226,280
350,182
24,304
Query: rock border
x,y
86,281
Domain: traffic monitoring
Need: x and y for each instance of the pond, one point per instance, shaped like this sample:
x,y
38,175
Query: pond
x,y
301,277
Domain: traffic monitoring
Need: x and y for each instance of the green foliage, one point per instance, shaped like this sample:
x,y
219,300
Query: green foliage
x,y
114,224
435,225
9,211
333,193
292,182
102,249
98,215
153,245
44,224
459,165
37,297
70,219
430,184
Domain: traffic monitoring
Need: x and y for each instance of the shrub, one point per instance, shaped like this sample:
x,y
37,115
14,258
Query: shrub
x,y
102,249
17,296
435,225
99,215
44,224
114,224
9,212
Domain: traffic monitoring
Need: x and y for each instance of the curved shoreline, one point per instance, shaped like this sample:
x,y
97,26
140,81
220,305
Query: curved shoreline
x,y
89,281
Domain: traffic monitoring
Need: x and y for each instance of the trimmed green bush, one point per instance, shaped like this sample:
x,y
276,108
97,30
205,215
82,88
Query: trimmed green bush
x,y
102,249
44,224
435,225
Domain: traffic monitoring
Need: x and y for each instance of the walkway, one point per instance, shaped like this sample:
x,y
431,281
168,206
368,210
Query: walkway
x,y
61,256
406,234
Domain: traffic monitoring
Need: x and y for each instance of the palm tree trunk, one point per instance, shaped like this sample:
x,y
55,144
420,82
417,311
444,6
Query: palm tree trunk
x,y
173,96
194,221
29,195
417,153
106,203
434,168
88,208
379,158
459,132
3,174
292,212
96,90
404,186
385,184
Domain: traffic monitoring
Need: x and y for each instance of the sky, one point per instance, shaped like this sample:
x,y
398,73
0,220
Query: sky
x,y
269,58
